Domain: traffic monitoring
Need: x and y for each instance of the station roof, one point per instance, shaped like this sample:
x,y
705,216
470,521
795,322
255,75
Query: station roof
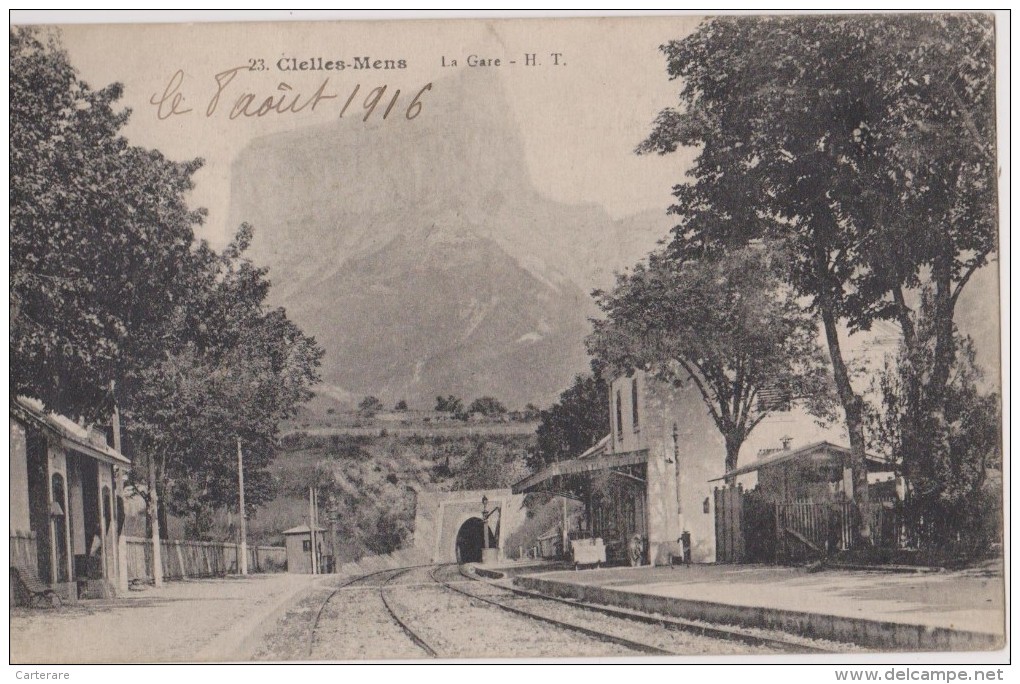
x,y
874,463
71,434
303,529
596,458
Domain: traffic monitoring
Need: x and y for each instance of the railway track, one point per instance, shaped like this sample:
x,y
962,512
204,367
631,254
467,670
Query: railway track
x,y
597,634
751,638
628,631
393,574
411,634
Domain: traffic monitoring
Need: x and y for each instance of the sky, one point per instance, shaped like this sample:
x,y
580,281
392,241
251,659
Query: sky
x,y
580,121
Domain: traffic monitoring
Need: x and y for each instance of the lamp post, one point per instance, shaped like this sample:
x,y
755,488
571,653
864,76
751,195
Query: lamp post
x,y
485,522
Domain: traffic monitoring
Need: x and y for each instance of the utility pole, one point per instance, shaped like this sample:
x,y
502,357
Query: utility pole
x,y
563,526
118,496
157,550
242,552
311,528
485,522
334,545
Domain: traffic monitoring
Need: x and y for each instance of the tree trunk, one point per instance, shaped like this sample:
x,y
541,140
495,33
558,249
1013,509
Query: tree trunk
x,y
853,407
922,433
732,455
152,510
945,341
164,527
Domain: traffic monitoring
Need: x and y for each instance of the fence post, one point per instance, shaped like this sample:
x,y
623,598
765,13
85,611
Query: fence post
x,y
780,536
738,528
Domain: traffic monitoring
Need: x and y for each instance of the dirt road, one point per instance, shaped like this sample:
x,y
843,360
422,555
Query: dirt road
x,y
189,621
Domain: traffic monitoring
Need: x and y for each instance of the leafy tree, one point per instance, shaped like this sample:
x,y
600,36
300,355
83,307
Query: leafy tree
x,y
400,406
487,406
728,325
947,502
369,406
370,508
865,144
573,424
115,304
244,369
449,404
100,233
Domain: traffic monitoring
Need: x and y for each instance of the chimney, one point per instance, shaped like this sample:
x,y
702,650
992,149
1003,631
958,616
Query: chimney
x,y
786,440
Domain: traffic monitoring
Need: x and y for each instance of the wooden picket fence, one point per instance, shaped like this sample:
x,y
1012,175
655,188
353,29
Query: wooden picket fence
x,y
749,529
806,529
183,559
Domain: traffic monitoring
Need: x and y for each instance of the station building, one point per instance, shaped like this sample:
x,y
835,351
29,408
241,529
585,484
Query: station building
x,y
656,474
66,505
649,476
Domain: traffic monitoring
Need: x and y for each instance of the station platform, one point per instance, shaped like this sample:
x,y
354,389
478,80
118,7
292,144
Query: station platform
x,y
962,610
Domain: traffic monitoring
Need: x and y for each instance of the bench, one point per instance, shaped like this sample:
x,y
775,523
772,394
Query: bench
x,y
40,595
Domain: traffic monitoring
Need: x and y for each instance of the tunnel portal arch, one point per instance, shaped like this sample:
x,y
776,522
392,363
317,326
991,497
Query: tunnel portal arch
x,y
468,545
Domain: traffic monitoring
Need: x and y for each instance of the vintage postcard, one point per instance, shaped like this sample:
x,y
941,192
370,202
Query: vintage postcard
x,y
654,336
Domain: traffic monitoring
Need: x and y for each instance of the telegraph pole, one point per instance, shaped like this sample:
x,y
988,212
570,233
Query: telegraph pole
x,y
118,498
242,554
485,522
311,528
157,544
563,527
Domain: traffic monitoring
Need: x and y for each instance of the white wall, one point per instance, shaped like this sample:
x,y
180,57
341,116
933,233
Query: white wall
x,y
19,521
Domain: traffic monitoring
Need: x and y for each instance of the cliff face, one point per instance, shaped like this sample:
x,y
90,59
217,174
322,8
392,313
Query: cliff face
x,y
421,256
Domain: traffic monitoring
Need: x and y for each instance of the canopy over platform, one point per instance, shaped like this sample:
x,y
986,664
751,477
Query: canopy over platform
x,y
596,458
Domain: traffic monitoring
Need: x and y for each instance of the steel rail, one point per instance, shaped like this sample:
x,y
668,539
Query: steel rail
x,y
418,641
597,634
344,585
679,624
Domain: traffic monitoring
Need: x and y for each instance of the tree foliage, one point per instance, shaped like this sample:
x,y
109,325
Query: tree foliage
x,y
729,325
865,143
948,501
449,404
100,233
573,424
114,302
490,407
369,406
236,373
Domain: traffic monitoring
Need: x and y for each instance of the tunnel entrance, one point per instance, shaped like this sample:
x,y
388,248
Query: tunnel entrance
x,y
469,541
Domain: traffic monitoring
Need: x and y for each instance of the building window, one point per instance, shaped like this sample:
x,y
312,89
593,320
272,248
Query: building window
x,y
306,545
633,404
619,416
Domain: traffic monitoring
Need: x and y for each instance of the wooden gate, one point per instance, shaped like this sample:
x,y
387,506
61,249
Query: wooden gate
x,y
750,529
729,529
807,530
744,527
